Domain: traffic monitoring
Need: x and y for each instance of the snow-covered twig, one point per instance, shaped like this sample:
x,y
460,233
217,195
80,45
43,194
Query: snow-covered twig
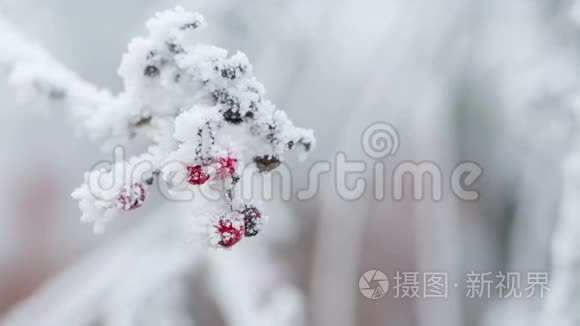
x,y
182,95
34,71
198,106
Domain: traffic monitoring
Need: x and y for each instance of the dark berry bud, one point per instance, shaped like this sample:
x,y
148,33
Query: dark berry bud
x,y
233,117
192,25
151,71
307,145
143,121
235,179
252,220
174,48
229,73
267,163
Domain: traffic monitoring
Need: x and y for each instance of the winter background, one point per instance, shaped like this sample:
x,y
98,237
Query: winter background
x,y
494,82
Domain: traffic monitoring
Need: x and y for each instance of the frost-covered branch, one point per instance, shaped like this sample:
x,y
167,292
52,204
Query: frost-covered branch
x,y
197,105
36,73
200,108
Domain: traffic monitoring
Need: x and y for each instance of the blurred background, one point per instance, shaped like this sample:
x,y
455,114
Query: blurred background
x,y
493,82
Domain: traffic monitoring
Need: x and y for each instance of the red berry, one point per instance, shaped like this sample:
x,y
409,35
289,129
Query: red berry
x,y
226,167
230,232
132,196
252,220
196,175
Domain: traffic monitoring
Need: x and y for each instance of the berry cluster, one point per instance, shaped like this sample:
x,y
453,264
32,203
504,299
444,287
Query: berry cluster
x,y
199,174
231,227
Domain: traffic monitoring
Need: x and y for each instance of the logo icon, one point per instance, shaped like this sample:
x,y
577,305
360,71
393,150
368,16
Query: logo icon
x,y
373,284
380,140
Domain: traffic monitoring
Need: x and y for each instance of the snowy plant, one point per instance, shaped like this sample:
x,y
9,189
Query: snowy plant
x,y
203,110
36,74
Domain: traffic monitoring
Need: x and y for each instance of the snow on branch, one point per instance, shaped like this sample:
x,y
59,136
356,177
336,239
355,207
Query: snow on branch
x,y
199,107
34,71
